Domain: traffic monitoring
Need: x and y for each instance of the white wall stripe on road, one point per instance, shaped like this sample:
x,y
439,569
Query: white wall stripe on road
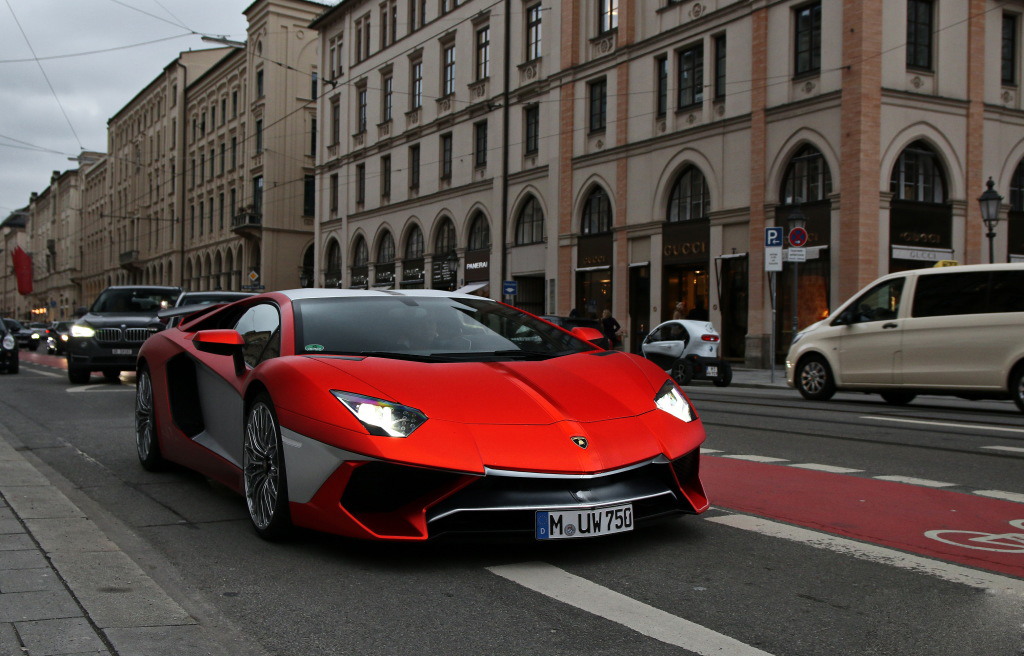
x,y
1011,449
757,458
999,494
965,427
593,598
945,571
42,373
832,469
910,480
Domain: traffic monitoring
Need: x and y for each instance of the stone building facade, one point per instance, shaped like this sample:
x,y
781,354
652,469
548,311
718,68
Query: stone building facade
x,y
626,155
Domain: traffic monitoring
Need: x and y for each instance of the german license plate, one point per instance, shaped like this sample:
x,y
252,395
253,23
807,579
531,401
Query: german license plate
x,y
121,351
584,522
711,371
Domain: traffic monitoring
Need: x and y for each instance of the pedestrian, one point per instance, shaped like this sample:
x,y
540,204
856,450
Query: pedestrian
x,y
680,311
611,328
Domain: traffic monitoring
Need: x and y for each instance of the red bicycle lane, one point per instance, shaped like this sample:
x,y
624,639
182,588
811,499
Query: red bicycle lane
x,y
890,514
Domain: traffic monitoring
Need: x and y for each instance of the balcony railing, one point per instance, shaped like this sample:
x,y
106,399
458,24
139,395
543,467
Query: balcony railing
x,y
247,220
130,260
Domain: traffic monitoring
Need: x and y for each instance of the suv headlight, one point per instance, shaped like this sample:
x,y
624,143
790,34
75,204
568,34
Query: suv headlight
x,y
381,417
82,331
672,401
8,342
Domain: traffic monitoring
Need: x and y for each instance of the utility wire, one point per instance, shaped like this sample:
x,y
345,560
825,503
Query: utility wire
x,y
96,52
43,70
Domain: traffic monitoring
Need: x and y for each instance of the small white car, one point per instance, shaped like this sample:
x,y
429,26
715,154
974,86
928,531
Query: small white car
x,y
688,350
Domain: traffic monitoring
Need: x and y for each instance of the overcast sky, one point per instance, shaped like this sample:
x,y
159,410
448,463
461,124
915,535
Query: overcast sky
x,y
35,136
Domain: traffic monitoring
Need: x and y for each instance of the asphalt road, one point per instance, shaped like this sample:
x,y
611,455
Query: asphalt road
x,y
816,543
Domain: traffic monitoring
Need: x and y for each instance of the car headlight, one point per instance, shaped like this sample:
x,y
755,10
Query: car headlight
x,y
63,338
35,335
381,417
82,331
672,401
8,342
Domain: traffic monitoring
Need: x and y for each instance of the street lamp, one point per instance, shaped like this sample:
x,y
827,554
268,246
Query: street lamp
x,y
452,264
989,201
796,220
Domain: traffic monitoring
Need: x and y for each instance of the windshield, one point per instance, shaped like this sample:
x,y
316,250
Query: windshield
x,y
450,329
199,298
147,301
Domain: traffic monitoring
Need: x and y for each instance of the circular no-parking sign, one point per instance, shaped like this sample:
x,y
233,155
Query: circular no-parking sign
x,y
797,237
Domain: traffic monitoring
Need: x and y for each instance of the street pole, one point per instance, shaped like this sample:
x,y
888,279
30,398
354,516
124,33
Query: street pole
x,y
771,340
796,291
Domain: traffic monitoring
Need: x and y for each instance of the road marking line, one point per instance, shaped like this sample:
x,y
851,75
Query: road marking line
x,y
647,620
945,571
832,469
703,450
1011,449
757,458
924,482
42,373
943,423
999,494
91,390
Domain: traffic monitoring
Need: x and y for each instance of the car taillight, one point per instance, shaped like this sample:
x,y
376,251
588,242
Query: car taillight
x,y
709,338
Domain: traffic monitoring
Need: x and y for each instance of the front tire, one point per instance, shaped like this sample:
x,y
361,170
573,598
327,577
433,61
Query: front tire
x,y
724,374
78,375
1017,387
266,486
814,379
147,442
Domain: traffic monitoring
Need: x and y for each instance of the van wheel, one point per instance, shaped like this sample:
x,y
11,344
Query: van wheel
x,y
898,398
1017,386
683,372
814,379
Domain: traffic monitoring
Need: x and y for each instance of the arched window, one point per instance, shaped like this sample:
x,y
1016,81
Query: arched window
x,y
689,199
597,213
479,233
361,254
414,244
445,242
332,276
1017,189
386,249
530,225
807,178
918,175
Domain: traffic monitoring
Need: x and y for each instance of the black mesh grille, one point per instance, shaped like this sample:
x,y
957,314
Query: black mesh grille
x,y
386,487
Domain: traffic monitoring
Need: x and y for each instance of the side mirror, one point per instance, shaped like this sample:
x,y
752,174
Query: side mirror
x,y
222,342
845,318
588,334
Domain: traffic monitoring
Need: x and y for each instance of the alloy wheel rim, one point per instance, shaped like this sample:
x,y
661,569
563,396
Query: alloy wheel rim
x,y
144,416
813,377
260,465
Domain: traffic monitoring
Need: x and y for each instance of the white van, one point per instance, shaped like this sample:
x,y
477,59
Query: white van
x,y
948,330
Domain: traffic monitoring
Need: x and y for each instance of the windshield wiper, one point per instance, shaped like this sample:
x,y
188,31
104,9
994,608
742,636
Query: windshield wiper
x,y
515,354
395,355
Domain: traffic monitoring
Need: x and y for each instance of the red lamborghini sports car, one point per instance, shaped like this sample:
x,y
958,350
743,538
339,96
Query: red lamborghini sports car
x,y
406,415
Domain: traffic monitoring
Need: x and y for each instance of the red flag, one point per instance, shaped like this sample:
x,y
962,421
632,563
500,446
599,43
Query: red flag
x,y
23,270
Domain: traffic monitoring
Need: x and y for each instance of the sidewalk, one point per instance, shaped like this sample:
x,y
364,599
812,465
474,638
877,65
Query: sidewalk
x,y
757,378
66,589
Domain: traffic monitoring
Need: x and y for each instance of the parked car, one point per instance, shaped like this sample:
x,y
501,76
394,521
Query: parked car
x,y
8,350
108,337
946,330
57,337
409,414
688,350
26,337
189,302
580,322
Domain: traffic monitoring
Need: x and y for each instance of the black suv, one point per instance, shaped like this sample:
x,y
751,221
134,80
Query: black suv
x,y
107,338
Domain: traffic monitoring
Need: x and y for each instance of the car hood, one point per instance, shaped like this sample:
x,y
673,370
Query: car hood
x,y
116,320
587,387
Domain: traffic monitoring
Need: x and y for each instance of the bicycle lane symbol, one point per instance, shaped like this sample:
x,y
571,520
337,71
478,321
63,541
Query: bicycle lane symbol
x,y
1001,542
